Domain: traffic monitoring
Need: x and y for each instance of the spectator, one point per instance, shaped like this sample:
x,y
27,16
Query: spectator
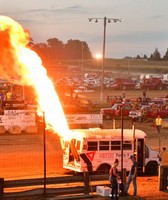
x,y
158,123
2,98
144,115
132,177
144,94
8,96
114,180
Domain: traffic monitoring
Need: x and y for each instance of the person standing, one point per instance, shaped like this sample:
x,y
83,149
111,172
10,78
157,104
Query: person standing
x,y
144,115
158,123
144,94
114,180
132,177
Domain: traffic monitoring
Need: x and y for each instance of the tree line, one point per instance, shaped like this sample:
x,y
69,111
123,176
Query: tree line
x,y
155,56
55,49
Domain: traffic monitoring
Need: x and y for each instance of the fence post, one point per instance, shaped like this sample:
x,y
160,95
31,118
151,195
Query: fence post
x,y
124,177
163,173
1,187
160,179
86,183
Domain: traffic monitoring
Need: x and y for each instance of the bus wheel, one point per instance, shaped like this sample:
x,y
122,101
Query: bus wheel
x,y
152,168
103,169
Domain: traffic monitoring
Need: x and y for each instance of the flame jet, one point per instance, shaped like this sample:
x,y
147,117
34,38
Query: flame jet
x,y
19,62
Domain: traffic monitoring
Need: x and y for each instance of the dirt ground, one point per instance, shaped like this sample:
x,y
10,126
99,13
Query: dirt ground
x,y
21,156
24,158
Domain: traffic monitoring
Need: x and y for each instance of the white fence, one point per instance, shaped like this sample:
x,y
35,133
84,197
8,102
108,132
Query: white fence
x,y
18,119
84,119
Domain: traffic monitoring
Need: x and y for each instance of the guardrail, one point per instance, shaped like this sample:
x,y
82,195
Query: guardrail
x,y
84,185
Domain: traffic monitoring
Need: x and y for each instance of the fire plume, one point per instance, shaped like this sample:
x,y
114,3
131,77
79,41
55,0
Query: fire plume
x,y
18,61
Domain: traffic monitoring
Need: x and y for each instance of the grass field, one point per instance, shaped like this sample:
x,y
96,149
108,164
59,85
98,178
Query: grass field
x,y
120,65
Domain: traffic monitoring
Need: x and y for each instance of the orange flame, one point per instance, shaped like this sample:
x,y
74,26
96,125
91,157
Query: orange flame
x,y
18,61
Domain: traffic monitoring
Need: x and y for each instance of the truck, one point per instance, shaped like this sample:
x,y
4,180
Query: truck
x,y
115,111
153,84
94,150
150,114
123,83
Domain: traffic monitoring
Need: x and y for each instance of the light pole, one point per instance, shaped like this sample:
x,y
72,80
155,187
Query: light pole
x,y
105,20
122,155
44,148
82,67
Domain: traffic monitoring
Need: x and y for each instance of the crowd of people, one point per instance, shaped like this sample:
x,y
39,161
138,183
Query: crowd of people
x,y
144,106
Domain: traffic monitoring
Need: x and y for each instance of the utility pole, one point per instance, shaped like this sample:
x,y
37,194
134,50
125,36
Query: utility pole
x,y
105,20
82,66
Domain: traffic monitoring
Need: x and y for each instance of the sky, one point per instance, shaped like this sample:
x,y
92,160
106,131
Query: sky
x,y
143,27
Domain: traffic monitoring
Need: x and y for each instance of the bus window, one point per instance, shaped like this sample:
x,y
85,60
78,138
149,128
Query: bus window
x,y
127,145
115,145
103,145
92,146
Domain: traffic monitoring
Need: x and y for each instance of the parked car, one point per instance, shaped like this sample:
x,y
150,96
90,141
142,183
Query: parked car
x,y
153,84
123,83
81,89
115,111
150,113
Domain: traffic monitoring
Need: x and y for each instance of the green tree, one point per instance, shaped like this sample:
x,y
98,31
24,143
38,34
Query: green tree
x,y
145,57
156,55
138,57
42,50
31,43
75,49
151,57
165,57
56,48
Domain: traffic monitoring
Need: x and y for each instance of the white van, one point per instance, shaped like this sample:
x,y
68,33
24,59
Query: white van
x,y
94,150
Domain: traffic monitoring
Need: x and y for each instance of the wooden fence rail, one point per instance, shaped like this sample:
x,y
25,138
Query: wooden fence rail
x,y
83,184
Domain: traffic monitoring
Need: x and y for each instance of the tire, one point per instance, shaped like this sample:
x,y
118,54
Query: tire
x,y
107,116
151,168
103,169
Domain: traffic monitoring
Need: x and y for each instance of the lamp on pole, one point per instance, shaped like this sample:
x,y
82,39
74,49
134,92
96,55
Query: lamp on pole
x,y
105,20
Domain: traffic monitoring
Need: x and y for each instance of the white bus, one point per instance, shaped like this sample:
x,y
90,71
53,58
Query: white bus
x,y
94,150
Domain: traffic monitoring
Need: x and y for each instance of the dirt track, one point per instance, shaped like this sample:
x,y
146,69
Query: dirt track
x,y
22,157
